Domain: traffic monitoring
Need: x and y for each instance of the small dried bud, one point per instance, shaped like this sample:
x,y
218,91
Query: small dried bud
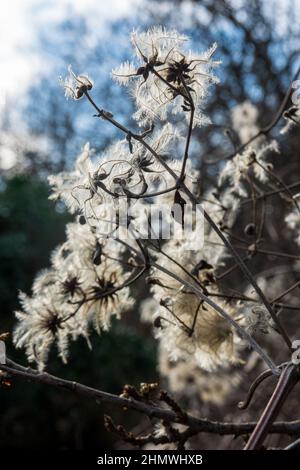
x,y
154,281
98,254
252,158
252,248
166,302
200,266
76,85
157,322
4,336
130,392
147,389
250,230
82,220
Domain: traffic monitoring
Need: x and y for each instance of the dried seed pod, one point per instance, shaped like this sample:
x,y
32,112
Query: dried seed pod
x,y
157,322
98,254
250,230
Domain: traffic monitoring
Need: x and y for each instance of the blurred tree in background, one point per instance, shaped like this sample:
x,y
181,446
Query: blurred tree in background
x,y
259,56
257,44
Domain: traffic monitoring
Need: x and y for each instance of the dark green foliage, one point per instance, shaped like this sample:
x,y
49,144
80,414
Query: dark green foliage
x,y
36,416
30,228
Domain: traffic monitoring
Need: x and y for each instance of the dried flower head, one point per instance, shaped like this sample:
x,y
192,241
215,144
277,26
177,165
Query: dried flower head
x,y
76,85
166,78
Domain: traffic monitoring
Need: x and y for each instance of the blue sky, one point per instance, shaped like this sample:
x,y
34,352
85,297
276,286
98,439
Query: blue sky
x,y
24,61
20,21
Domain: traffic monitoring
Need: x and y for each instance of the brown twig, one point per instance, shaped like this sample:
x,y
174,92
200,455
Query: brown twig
x,y
197,424
288,379
107,116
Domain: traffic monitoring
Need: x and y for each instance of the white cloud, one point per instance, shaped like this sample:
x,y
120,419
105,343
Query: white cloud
x,y
21,59
20,21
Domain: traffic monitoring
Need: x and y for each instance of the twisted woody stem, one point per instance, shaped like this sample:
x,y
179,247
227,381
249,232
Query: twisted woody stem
x,y
204,298
181,185
287,381
290,376
13,369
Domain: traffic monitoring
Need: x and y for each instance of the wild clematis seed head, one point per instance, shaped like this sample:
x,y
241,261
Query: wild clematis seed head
x,y
76,85
165,78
